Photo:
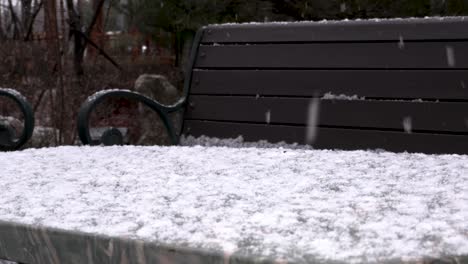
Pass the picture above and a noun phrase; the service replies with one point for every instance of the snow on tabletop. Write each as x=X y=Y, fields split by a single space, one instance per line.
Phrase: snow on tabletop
x=288 y=203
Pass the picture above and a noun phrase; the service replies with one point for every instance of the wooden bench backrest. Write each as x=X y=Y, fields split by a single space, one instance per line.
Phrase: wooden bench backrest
x=408 y=78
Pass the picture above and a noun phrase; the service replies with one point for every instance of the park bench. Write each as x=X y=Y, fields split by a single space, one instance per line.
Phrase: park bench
x=9 y=140
x=399 y=85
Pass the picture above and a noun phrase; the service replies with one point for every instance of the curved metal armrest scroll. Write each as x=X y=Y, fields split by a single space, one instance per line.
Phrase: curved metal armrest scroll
x=113 y=134
x=7 y=133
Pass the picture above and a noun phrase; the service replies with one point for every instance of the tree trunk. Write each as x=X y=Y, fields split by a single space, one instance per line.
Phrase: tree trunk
x=26 y=13
x=53 y=58
x=2 y=32
x=14 y=21
x=95 y=31
x=75 y=29
x=51 y=31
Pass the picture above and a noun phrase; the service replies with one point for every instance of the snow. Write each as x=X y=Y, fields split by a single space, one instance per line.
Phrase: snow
x=343 y=7
x=268 y=116
x=236 y=143
x=14 y=92
x=401 y=42
x=450 y=56
x=106 y=91
x=355 y=97
x=313 y=113
x=427 y=19
x=407 y=124
x=331 y=96
x=283 y=201
x=8 y=119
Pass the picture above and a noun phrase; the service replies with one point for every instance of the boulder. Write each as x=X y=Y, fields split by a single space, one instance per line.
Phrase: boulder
x=10 y=129
x=151 y=128
x=157 y=87
x=43 y=136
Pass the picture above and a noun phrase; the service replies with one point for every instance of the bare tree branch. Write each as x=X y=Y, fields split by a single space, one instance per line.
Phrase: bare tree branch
x=75 y=26
x=95 y=17
x=31 y=22
x=101 y=51
x=15 y=20
x=41 y=95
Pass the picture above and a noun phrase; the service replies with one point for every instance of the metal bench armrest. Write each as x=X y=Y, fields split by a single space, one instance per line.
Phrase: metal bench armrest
x=88 y=106
x=9 y=143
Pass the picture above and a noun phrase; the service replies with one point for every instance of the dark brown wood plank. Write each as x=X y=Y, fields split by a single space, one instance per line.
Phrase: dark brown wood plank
x=357 y=30
x=431 y=116
x=434 y=84
x=333 y=138
x=416 y=55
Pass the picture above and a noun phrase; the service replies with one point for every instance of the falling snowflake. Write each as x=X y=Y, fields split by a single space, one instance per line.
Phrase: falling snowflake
x=343 y=7
x=450 y=56
x=268 y=117
x=312 y=120
x=401 y=43
x=407 y=124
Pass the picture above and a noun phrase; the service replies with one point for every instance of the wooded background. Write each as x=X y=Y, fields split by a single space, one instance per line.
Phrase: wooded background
x=58 y=52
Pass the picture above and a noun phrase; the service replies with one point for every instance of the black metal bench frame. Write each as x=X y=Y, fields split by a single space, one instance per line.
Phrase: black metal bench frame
x=112 y=135
x=10 y=143
x=334 y=131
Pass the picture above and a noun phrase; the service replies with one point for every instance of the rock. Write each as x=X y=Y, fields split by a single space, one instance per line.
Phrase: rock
x=43 y=137
x=157 y=87
x=151 y=129
x=12 y=122
x=11 y=129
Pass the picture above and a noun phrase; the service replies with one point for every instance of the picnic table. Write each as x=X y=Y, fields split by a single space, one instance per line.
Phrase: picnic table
x=232 y=204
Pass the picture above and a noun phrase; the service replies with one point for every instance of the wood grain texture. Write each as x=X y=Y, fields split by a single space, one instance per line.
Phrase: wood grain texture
x=333 y=138
x=427 y=55
x=357 y=30
x=284 y=64
x=399 y=84
x=431 y=116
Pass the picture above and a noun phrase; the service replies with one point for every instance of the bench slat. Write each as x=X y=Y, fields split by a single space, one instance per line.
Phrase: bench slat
x=430 y=116
x=409 y=29
x=329 y=138
x=370 y=83
x=428 y=55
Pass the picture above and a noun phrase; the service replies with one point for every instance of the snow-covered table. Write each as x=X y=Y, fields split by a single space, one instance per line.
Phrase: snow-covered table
x=194 y=204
